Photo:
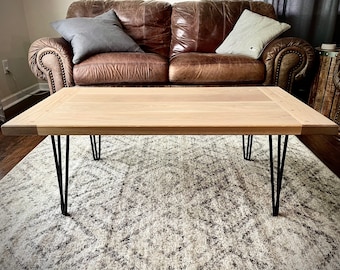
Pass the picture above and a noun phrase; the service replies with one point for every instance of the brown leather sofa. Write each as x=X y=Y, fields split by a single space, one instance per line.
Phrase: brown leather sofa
x=179 y=43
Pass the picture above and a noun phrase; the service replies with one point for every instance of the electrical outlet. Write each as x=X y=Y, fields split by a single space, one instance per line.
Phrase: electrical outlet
x=5 y=66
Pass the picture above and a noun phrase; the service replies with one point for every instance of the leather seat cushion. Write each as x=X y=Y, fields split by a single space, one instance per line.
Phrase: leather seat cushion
x=198 y=68
x=130 y=68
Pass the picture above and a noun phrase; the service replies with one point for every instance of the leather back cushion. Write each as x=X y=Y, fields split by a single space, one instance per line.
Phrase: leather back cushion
x=148 y=23
x=203 y=25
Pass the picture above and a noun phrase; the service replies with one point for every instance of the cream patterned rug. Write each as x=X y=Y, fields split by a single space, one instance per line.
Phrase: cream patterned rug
x=170 y=202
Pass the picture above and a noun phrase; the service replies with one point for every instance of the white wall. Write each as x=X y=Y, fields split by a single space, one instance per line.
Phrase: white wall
x=14 y=44
x=40 y=13
x=22 y=22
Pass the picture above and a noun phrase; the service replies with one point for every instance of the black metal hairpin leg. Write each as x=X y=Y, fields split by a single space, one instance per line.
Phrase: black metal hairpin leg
x=96 y=146
x=247 y=149
x=281 y=155
x=63 y=183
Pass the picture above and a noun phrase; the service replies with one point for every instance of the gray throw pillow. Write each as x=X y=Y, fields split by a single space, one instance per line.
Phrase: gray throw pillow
x=89 y=36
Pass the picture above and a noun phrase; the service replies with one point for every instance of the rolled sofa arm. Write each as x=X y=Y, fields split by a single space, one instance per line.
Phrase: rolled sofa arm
x=51 y=59
x=336 y=76
x=336 y=80
x=287 y=60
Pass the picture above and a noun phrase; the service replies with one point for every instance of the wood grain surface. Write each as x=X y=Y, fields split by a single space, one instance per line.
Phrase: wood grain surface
x=170 y=110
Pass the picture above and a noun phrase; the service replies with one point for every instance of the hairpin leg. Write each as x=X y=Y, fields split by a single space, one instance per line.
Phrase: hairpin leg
x=96 y=146
x=281 y=155
x=247 y=148
x=62 y=181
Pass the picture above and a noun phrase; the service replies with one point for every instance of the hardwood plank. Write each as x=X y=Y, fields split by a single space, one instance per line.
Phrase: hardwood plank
x=326 y=148
x=312 y=122
x=15 y=148
x=181 y=110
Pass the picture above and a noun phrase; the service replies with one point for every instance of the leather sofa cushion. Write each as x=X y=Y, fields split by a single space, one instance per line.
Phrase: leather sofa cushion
x=125 y=67
x=211 y=68
x=203 y=25
x=148 y=23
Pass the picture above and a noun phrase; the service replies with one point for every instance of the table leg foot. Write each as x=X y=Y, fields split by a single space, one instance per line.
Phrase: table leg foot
x=276 y=182
x=247 y=146
x=96 y=146
x=62 y=179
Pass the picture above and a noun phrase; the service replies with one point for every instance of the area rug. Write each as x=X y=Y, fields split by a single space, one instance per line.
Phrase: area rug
x=170 y=202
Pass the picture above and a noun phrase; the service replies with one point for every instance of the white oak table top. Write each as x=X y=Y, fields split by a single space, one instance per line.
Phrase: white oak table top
x=256 y=110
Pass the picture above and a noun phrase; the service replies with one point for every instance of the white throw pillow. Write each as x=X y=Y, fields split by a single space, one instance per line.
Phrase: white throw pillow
x=250 y=35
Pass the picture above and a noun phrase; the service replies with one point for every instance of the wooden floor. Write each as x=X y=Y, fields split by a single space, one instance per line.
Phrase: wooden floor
x=14 y=148
x=326 y=148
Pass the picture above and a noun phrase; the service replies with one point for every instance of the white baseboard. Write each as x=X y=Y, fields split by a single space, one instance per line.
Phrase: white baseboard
x=23 y=94
x=44 y=87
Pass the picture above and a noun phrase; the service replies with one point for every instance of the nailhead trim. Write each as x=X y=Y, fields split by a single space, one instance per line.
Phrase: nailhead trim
x=50 y=74
x=277 y=73
x=336 y=118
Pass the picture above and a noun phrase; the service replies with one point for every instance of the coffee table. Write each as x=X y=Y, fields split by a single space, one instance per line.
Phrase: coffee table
x=97 y=111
